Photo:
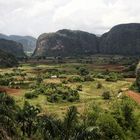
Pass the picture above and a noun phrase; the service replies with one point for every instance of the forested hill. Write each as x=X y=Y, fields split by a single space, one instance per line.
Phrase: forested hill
x=7 y=60
x=12 y=47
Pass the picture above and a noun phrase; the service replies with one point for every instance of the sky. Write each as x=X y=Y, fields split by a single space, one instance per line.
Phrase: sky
x=34 y=17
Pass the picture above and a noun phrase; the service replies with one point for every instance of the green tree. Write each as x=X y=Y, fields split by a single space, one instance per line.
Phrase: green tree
x=27 y=118
x=8 y=109
x=124 y=113
x=83 y=71
x=106 y=95
x=109 y=128
x=70 y=122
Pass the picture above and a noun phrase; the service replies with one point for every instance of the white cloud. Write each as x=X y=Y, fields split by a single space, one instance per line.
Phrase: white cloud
x=33 y=17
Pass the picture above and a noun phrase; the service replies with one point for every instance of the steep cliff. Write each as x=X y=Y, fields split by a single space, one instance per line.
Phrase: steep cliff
x=66 y=43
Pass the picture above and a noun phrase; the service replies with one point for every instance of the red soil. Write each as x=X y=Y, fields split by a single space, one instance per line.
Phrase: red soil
x=11 y=91
x=117 y=68
x=134 y=95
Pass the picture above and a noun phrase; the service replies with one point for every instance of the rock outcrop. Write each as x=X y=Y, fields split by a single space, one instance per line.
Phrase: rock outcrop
x=122 y=39
x=66 y=43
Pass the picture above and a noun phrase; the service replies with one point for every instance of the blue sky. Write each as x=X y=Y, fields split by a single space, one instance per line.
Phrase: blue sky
x=34 y=17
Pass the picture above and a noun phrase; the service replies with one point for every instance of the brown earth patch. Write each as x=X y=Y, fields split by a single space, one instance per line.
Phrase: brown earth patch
x=130 y=79
x=134 y=95
x=11 y=91
x=117 y=68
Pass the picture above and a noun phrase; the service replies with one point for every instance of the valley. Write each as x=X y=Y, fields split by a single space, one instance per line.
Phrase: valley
x=25 y=76
x=71 y=85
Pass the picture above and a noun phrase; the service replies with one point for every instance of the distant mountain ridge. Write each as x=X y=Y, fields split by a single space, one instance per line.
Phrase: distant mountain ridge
x=123 y=39
x=28 y=42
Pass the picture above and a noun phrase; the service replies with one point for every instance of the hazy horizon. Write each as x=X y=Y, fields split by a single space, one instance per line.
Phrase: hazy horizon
x=35 y=17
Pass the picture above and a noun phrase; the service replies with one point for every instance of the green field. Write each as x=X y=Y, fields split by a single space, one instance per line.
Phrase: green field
x=89 y=94
x=50 y=101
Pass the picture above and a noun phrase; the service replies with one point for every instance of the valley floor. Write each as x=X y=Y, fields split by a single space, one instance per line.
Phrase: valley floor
x=89 y=95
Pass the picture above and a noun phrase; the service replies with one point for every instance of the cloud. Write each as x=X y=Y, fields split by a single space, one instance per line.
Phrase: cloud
x=35 y=17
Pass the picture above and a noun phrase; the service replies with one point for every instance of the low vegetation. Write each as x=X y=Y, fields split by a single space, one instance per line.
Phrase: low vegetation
x=67 y=101
x=97 y=123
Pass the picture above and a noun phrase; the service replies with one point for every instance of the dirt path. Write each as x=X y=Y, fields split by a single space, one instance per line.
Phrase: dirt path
x=134 y=95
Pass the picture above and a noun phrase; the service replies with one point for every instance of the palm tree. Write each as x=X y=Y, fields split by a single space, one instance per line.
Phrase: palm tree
x=27 y=118
x=50 y=127
x=8 y=111
x=70 y=122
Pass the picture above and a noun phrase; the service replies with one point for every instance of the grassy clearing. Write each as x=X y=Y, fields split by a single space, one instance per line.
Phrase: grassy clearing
x=89 y=94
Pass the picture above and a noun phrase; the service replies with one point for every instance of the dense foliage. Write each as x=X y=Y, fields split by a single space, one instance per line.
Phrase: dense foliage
x=25 y=122
x=54 y=92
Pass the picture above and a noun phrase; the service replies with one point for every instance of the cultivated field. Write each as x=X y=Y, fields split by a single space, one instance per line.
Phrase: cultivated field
x=26 y=77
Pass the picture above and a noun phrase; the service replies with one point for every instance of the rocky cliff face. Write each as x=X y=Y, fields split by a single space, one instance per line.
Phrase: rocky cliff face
x=28 y=42
x=66 y=43
x=122 y=39
x=7 y=60
x=12 y=47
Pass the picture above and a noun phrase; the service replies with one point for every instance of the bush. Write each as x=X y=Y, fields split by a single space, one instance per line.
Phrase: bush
x=83 y=71
x=100 y=76
x=54 y=98
x=76 y=79
x=112 y=77
x=30 y=95
x=88 y=78
x=135 y=87
x=57 y=92
x=109 y=128
x=106 y=95
x=64 y=81
x=5 y=81
x=99 y=85
x=79 y=88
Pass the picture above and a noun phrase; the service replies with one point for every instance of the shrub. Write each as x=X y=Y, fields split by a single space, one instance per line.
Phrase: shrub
x=54 y=98
x=88 y=78
x=57 y=92
x=30 y=95
x=135 y=87
x=64 y=81
x=100 y=76
x=5 y=81
x=79 y=87
x=99 y=85
x=112 y=77
x=109 y=128
x=76 y=79
x=106 y=95
x=83 y=71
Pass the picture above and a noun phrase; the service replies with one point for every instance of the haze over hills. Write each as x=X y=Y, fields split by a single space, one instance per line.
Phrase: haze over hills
x=28 y=42
x=122 y=39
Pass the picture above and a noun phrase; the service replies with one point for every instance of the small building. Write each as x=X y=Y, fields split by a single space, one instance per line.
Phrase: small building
x=54 y=76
